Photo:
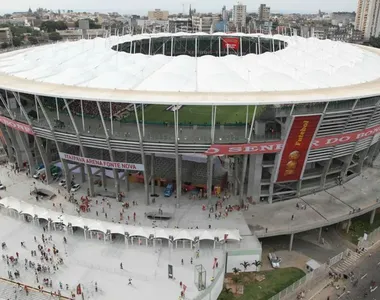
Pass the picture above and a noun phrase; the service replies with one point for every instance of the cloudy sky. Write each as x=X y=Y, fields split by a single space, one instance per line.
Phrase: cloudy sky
x=141 y=7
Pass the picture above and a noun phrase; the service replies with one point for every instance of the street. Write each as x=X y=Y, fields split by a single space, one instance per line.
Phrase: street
x=366 y=271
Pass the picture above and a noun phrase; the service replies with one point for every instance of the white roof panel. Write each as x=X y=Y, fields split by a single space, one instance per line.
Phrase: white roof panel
x=86 y=68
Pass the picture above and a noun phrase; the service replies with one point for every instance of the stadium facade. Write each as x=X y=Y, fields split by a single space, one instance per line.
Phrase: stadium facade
x=293 y=115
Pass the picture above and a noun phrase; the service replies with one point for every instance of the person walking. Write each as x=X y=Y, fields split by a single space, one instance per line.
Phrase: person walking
x=121 y=266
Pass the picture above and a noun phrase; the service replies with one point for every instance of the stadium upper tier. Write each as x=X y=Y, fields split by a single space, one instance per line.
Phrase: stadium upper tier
x=280 y=69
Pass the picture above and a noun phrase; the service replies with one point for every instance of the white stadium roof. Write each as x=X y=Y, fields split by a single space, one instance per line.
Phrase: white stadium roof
x=306 y=70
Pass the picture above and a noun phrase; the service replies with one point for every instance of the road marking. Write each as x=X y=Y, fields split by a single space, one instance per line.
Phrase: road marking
x=342 y=295
x=364 y=276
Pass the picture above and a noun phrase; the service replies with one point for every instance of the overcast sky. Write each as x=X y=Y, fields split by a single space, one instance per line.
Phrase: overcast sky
x=141 y=7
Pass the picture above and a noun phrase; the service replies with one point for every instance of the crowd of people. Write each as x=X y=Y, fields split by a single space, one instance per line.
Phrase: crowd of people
x=44 y=261
x=90 y=108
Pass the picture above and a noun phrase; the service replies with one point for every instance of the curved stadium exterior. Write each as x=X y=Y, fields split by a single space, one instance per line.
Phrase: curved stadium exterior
x=294 y=115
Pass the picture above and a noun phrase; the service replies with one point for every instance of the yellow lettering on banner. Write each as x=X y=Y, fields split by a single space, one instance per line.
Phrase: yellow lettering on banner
x=301 y=135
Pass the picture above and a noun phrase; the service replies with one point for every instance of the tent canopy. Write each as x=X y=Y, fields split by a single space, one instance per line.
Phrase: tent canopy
x=134 y=231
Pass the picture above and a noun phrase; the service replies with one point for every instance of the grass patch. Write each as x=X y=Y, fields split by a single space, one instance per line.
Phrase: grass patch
x=197 y=115
x=275 y=281
x=360 y=225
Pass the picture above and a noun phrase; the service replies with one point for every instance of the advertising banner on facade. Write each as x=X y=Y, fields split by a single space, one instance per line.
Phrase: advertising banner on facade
x=273 y=147
x=297 y=145
x=102 y=163
x=231 y=43
x=17 y=125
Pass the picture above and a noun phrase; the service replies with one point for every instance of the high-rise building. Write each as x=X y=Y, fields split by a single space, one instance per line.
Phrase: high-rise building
x=239 y=15
x=224 y=14
x=368 y=18
x=158 y=14
x=264 y=12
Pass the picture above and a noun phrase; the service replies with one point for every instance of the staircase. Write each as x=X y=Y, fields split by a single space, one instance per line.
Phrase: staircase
x=347 y=263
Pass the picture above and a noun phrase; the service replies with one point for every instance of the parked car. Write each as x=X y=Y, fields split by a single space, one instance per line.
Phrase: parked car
x=38 y=173
x=274 y=260
x=169 y=190
x=2 y=187
x=62 y=183
x=75 y=187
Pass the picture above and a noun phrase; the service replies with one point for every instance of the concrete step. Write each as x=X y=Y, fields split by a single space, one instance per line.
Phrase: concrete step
x=347 y=263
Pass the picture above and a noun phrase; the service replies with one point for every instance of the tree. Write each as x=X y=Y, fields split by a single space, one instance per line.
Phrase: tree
x=55 y=36
x=4 y=45
x=236 y=270
x=33 y=40
x=257 y=264
x=16 y=41
x=245 y=265
x=374 y=42
x=52 y=26
x=92 y=24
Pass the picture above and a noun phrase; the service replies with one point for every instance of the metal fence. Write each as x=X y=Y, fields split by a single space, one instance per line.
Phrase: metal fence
x=213 y=291
x=372 y=238
x=304 y=283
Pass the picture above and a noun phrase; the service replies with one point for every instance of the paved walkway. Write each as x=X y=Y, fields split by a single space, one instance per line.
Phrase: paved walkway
x=322 y=208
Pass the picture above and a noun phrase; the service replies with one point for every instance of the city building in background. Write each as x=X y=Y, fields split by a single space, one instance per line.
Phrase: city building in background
x=264 y=12
x=158 y=14
x=5 y=35
x=239 y=15
x=368 y=18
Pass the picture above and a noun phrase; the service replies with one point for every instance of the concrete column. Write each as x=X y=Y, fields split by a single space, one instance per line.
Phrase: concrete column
x=242 y=178
x=320 y=234
x=8 y=143
x=104 y=178
x=348 y=225
x=210 y=165
x=291 y=242
x=372 y=218
x=152 y=186
x=126 y=176
x=82 y=173
x=254 y=176
x=25 y=143
x=48 y=150
x=236 y=172
x=15 y=146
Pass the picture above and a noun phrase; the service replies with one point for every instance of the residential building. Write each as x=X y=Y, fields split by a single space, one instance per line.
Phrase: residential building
x=205 y=23
x=264 y=13
x=180 y=25
x=78 y=34
x=5 y=35
x=368 y=18
x=239 y=15
x=158 y=14
x=224 y=14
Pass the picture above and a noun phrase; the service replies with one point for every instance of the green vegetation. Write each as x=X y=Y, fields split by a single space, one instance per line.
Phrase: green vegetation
x=52 y=26
x=196 y=115
x=92 y=24
x=275 y=281
x=360 y=225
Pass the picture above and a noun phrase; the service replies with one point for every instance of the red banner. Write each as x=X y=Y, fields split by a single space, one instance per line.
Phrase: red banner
x=17 y=125
x=297 y=145
x=231 y=43
x=274 y=147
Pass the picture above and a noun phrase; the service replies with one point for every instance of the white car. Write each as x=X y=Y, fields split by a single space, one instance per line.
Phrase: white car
x=62 y=183
x=75 y=187
x=2 y=187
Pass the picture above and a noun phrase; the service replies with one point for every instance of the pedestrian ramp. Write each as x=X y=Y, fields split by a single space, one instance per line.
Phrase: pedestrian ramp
x=10 y=291
x=347 y=263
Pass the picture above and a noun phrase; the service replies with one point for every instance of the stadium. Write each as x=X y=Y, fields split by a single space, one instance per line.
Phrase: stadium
x=268 y=117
